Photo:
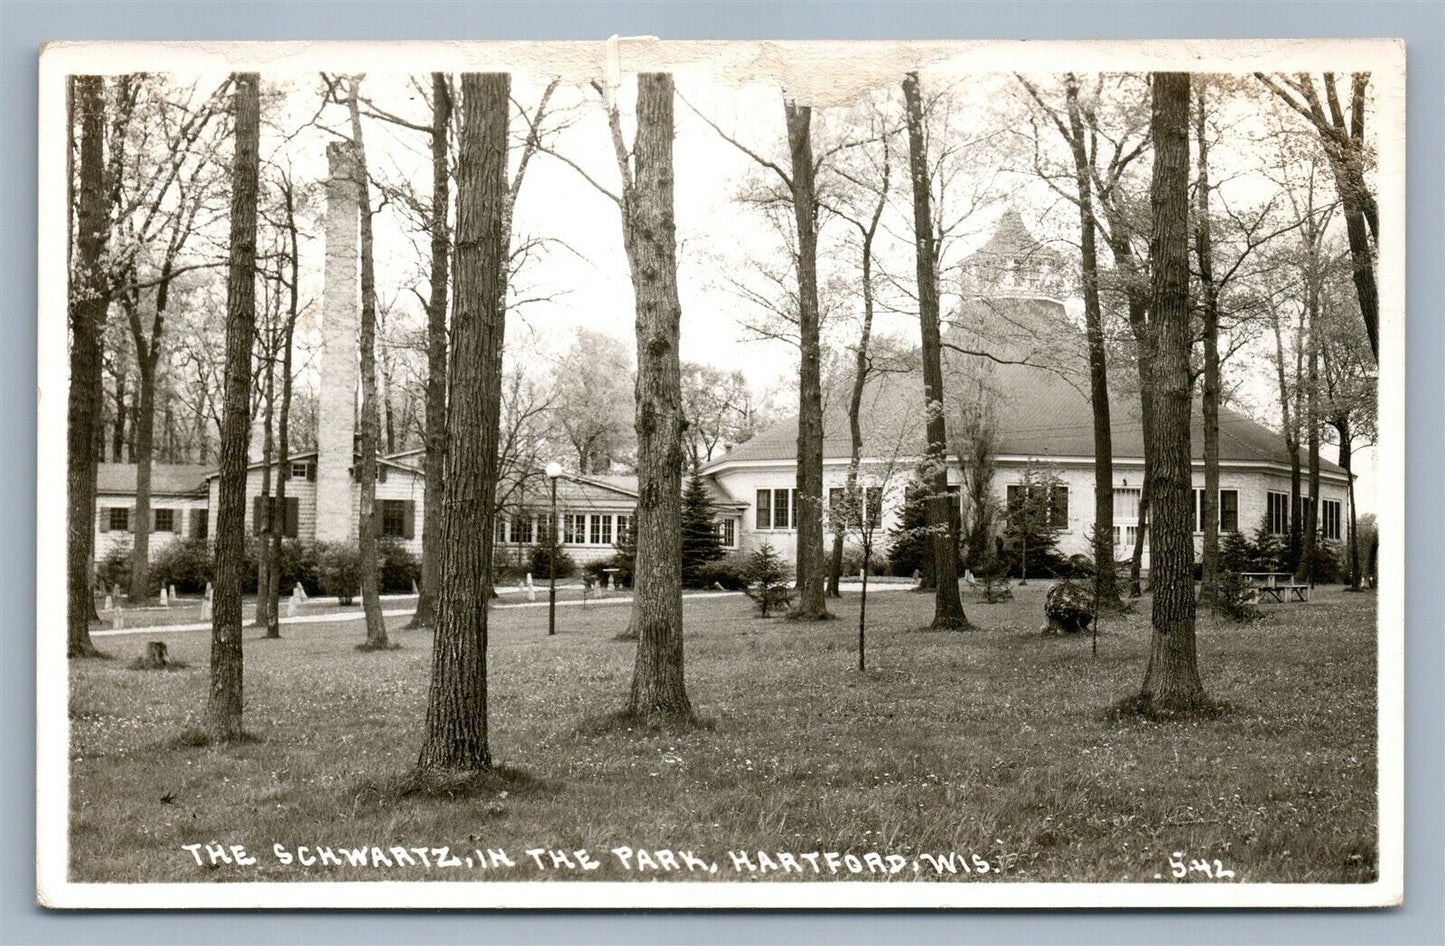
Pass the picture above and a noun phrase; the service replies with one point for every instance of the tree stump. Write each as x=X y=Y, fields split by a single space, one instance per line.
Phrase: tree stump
x=155 y=657
x=1068 y=608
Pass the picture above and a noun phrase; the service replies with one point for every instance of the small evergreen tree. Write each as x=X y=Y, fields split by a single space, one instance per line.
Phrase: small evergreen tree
x=625 y=558
x=1236 y=554
x=700 y=543
x=1269 y=552
x=907 y=538
x=1029 y=528
x=768 y=580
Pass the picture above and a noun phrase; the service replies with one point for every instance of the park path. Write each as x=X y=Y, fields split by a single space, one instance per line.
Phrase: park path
x=357 y=615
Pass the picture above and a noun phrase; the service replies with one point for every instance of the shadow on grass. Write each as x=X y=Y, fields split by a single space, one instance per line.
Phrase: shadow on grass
x=367 y=647
x=625 y=721
x=1142 y=707
x=195 y=737
x=145 y=663
x=453 y=785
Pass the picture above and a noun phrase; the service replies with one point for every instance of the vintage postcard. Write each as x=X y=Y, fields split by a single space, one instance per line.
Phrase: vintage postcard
x=643 y=473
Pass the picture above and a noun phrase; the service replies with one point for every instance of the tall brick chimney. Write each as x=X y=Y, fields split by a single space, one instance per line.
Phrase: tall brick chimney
x=340 y=357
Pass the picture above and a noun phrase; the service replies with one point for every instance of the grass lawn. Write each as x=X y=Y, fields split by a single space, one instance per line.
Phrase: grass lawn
x=993 y=743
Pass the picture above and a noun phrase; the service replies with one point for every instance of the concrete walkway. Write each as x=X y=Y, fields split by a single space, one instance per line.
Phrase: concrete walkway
x=358 y=614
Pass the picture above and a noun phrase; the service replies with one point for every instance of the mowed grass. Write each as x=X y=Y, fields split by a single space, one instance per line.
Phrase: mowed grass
x=995 y=742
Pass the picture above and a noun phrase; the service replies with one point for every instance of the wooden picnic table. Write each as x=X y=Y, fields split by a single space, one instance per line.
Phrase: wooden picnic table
x=1283 y=594
x=1267 y=579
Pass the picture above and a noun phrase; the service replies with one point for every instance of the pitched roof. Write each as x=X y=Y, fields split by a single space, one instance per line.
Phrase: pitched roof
x=1037 y=414
x=169 y=479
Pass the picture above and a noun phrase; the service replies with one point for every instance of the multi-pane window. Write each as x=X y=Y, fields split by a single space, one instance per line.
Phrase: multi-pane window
x=574 y=529
x=499 y=534
x=1276 y=512
x=165 y=520
x=1126 y=504
x=393 y=517
x=777 y=509
x=1125 y=537
x=544 y=528
x=302 y=470
x=727 y=530
x=119 y=519
x=1330 y=519
x=624 y=527
x=1229 y=510
x=522 y=530
x=1058 y=499
x=601 y=530
x=838 y=502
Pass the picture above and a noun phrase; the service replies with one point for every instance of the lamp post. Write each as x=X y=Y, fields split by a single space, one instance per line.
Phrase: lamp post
x=554 y=470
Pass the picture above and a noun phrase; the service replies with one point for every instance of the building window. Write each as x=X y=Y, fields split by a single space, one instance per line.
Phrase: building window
x=544 y=529
x=165 y=520
x=1276 y=512
x=1126 y=505
x=1229 y=510
x=1058 y=497
x=727 y=531
x=200 y=524
x=601 y=533
x=393 y=518
x=302 y=470
x=574 y=529
x=1330 y=519
x=522 y=530
x=499 y=534
x=624 y=528
x=119 y=519
x=777 y=509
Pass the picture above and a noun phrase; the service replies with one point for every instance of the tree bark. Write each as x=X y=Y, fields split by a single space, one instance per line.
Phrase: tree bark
x=283 y=419
x=947 y=605
x=1342 y=429
x=434 y=464
x=1171 y=681
x=1305 y=571
x=455 y=738
x=88 y=301
x=223 y=709
x=370 y=421
x=1106 y=582
x=658 y=692
x=1209 y=401
x=266 y=564
x=812 y=602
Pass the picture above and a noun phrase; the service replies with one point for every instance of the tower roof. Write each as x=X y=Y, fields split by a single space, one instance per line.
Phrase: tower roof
x=1011 y=239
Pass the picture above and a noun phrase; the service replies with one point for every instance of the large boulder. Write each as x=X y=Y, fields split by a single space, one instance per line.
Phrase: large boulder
x=1069 y=608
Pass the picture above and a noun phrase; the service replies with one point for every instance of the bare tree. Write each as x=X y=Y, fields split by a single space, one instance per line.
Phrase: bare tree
x=1171 y=680
x=223 y=709
x=455 y=739
x=948 y=606
x=1344 y=144
x=88 y=301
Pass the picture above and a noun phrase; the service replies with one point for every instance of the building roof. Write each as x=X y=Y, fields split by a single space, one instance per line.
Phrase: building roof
x=1037 y=412
x=397 y=461
x=167 y=479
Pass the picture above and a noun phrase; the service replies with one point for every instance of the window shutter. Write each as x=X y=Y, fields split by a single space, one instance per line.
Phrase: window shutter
x=409 y=510
x=293 y=517
x=104 y=519
x=311 y=472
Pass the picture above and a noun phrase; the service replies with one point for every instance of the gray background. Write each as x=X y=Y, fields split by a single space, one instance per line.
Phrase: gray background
x=24 y=25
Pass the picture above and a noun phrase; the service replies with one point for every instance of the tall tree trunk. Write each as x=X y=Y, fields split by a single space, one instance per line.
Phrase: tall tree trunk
x=87 y=303
x=1305 y=571
x=223 y=708
x=1141 y=533
x=142 y=454
x=370 y=421
x=117 y=439
x=455 y=736
x=658 y=691
x=1209 y=401
x=811 y=566
x=1106 y=582
x=434 y=464
x=283 y=427
x=1342 y=429
x=1171 y=681
x=947 y=605
x=266 y=565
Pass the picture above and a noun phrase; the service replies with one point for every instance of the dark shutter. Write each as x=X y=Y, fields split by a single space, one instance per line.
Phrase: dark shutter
x=293 y=517
x=311 y=471
x=409 y=527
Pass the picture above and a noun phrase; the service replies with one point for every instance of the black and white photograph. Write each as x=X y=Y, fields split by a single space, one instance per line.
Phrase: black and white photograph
x=647 y=474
